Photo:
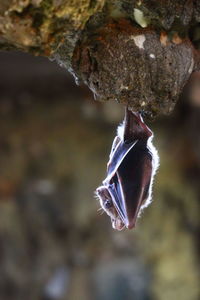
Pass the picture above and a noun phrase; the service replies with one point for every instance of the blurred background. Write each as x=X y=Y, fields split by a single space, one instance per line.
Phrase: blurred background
x=54 y=243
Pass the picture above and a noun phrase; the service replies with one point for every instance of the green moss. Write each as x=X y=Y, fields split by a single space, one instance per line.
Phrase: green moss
x=46 y=5
x=179 y=28
x=40 y=14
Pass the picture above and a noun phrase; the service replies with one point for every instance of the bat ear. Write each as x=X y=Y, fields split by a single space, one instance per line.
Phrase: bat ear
x=134 y=127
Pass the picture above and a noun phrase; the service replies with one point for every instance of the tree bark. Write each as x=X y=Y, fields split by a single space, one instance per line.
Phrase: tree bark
x=140 y=53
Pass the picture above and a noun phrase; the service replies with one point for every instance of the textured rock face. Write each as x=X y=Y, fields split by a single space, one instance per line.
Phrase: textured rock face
x=138 y=67
x=39 y=26
x=136 y=52
x=53 y=150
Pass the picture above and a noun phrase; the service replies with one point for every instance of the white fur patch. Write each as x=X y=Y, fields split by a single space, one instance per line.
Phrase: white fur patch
x=155 y=165
x=120 y=131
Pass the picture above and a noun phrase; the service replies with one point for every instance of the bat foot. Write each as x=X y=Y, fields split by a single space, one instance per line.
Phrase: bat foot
x=131 y=225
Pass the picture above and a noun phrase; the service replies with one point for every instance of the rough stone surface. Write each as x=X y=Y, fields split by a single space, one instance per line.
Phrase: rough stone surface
x=40 y=26
x=137 y=52
x=138 y=67
x=165 y=13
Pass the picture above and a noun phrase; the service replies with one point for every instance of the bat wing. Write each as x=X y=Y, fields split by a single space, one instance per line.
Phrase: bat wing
x=132 y=130
x=130 y=168
x=118 y=155
x=129 y=185
x=134 y=127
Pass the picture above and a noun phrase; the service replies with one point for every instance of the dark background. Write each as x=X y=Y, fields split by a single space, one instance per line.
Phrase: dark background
x=54 y=243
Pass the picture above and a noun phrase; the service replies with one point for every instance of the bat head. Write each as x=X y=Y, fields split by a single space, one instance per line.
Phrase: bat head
x=108 y=206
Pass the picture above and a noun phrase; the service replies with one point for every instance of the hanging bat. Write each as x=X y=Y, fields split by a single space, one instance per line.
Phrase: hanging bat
x=132 y=165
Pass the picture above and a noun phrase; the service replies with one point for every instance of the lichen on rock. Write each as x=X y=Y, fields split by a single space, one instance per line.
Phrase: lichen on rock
x=39 y=26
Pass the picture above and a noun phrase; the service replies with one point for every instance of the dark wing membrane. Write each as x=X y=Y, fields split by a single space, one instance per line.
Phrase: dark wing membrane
x=117 y=198
x=130 y=185
x=117 y=157
x=134 y=127
x=134 y=130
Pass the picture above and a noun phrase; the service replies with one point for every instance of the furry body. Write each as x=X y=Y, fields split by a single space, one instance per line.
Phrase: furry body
x=132 y=165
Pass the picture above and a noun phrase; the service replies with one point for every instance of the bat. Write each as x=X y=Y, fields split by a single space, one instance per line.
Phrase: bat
x=131 y=168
